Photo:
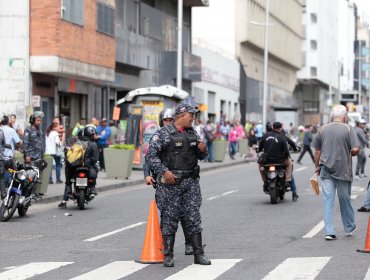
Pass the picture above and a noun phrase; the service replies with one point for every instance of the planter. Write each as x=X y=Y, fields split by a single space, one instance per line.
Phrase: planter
x=118 y=162
x=243 y=146
x=219 y=150
x=45 y=174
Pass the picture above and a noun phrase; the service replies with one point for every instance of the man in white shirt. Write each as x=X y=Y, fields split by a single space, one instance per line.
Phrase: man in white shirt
x=11 y=138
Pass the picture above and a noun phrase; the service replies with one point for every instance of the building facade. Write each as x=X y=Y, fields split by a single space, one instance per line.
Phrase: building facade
x=284 y=59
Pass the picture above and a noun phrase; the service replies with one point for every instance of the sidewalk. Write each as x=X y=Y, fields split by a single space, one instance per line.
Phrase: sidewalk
x=55 y=191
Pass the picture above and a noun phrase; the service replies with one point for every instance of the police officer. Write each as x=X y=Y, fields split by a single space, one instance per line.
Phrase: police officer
x=91 y=157
x=2 y=160
x=166 y=117
x=173 y=155
x=34 y=140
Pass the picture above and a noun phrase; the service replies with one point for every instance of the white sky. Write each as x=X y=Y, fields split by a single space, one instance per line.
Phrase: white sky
x=363 y=9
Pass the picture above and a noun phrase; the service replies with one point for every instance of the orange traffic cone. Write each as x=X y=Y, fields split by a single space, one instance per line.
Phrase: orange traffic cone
x=153 y=242
x=367 y=241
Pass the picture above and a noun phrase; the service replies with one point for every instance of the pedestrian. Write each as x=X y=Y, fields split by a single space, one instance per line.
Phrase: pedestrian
x=361 y=157
x=335 y=145
x=78 y=127
x=13 y=124
x=53 y=145
x=199 y=128
x=209 y=137
x=252 y=142
x=103 y=133
x=307 y=139
x=12 y=139
x=259 y=131
x=34 y=141
x=173 y=155
x=2 y=162
x=113 y=134
x=233 y=140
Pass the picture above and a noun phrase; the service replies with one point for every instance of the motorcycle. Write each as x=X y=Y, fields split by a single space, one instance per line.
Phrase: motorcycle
x=24 y=178
x=276 y=181
x=82 y=187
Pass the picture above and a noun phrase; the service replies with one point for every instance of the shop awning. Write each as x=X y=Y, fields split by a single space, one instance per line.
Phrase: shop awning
x=166 y=90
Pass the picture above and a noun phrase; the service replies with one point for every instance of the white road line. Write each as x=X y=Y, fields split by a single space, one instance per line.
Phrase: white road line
x=112 y=271
x=205 y=272
x=300 y=169
x=31 y=270
x=354 y=196
x=230 y=192
x=298 y=268
x=357 y=189
x=315 y=230
x=214 y=197
x=367 y=276
x=224 y=194
x=114 y=232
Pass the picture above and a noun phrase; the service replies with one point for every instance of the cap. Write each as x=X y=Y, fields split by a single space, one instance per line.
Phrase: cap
x=363 y=121
x=182 y=108
x=276 y=125
x=104 y=120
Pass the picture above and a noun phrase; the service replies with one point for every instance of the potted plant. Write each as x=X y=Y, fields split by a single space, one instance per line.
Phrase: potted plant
x=219 y=149
x=118 y=160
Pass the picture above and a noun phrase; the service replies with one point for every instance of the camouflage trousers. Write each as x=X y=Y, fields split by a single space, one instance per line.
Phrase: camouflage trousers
x=180 y=202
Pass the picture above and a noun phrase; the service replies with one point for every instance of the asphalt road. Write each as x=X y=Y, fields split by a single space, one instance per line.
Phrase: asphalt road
x=246 y=236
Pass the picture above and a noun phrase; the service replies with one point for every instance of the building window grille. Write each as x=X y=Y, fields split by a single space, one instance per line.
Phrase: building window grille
x=313 y=18
x=105 y=20
x=313 y=71
x=313 y=44
x=72 y=10
x=311 y=106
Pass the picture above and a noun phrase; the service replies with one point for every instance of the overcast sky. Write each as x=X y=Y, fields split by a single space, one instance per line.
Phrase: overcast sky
x=364 y=9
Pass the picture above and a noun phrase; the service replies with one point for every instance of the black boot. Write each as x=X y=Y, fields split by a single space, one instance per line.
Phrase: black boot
x=199 y=257
x=168 y=243
x=188 y=247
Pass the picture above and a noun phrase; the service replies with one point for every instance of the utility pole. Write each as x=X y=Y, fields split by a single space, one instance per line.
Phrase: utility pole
x=179 y=44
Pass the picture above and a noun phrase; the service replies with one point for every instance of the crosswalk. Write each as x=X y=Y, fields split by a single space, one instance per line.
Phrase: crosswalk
x=289 y=269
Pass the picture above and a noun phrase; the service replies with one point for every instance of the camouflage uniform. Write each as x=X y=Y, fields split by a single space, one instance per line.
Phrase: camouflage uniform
x=185 y=195
x=33 y=143
x=2 y=148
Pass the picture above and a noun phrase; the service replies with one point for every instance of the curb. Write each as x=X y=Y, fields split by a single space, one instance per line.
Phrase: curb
x=54 y=198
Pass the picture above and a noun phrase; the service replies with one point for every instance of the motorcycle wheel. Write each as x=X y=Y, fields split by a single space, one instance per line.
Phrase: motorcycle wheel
x=22 y=211
x=7 y=211
x=81 y=199
x=281 y=194
x=273 y=193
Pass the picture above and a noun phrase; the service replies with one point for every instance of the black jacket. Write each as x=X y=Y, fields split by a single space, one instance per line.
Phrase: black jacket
x=275 y=145
x=91 y=153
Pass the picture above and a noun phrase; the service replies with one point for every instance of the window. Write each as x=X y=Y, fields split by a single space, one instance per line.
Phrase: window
x=72 y=10
x=311 y=106
x=313 y=44
x=313 y=71
x=313 y=18
x=105 y=20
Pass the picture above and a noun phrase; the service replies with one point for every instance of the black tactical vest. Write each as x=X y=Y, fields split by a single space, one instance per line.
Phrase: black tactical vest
x=180 y=153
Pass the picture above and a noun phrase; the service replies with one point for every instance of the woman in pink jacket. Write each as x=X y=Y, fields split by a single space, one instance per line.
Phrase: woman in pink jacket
x=233 y=140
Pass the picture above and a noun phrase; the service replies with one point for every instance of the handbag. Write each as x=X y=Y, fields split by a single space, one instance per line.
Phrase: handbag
x=59 y=151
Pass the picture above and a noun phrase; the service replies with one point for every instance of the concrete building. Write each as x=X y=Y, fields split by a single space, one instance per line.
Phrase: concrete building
x=318 y=79
x=217 y=94
x=285 y=58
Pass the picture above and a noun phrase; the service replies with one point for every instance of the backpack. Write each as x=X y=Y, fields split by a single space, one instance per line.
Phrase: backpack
x=209 y=136
x=76 y=154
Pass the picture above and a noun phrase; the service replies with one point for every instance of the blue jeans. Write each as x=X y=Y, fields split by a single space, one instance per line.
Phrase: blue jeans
x=343 y=188
x=367 y=197
x=293 y=186
x=232 y=149
x=58 y=167
x=210 y=150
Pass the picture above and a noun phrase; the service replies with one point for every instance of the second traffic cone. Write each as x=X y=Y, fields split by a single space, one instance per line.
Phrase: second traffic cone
x=367 y=241
x=153 y=242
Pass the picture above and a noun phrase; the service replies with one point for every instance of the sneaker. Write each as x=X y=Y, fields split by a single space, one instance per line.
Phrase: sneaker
x=357 y=177
x=350 y=233
x=363 y=176
x=51 y=182
x=295 y=196
x=363 y=209
x=330 y=237
x=299 y=162
x=62 y=205
x=59 y=181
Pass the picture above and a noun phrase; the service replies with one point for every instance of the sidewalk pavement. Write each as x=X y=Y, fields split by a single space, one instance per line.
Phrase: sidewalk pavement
x=55 y=191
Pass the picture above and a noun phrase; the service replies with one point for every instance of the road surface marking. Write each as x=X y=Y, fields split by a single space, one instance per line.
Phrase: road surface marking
x=224 y=194
x=367 y=277
x=230 y=192
x=357 y=189
x=205 y=272
x=315 y=230
x=298 y=268
x=31 y=270
x=112 y=271
x=213 y=197
x=354 y=196
x=301 y=168
x=114 y=232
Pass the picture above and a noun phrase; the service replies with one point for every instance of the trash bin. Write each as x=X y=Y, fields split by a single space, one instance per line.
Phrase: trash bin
x=45 y=174
x=243 y=146
x=219 y=150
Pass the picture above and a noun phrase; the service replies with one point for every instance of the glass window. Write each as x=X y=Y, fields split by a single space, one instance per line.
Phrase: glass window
x=313 y=18
x=105 y=20
x=313 y=44
x=72 y=10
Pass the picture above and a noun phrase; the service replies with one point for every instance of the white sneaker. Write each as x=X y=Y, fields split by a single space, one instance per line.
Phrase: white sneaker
x=363 y=176
x=357 y=177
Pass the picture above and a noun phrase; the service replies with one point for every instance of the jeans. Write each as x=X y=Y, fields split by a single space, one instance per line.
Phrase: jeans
x=210 y=150
x=58 y=167
x=361 y=162
x=367 y=197
x=293 y=186
x=343 y=188
x=232 y=149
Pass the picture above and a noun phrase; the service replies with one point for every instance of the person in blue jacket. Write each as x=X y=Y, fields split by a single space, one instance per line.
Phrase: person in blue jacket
x=103 y=133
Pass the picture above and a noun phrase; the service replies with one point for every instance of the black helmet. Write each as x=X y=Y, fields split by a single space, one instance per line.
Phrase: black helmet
x=89 y=131
x=36 y=114
x=268 y=126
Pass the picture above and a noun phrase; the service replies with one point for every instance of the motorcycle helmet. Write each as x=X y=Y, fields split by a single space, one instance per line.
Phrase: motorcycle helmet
x=268 y=126
x=166 y=114
x=89 y=131
x=36 y=114
x=10 y=164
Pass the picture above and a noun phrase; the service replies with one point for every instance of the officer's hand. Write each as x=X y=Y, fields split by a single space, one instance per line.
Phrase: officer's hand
x=149 y=180
x=202 y=146
x=28 y=159
x=170 y=178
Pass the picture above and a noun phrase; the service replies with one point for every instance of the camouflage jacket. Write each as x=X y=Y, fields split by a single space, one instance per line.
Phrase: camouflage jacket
x=2 y=144
x=33 y=143
x=158 y=143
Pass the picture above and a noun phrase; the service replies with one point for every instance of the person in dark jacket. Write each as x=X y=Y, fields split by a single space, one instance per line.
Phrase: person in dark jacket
x=91 y=158
x=307 y=139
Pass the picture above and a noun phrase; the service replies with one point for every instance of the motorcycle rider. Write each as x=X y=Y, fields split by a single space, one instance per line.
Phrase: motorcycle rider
x=274 y=145
x=166 y=117
x=91 y=158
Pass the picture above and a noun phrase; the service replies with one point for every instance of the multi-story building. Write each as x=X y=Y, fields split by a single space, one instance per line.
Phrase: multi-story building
x=284 y=59
x=318 y=79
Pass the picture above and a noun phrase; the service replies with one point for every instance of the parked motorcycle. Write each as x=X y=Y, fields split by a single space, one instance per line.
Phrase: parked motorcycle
x=276 y=181
x=82 y=187
x=24 y=177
